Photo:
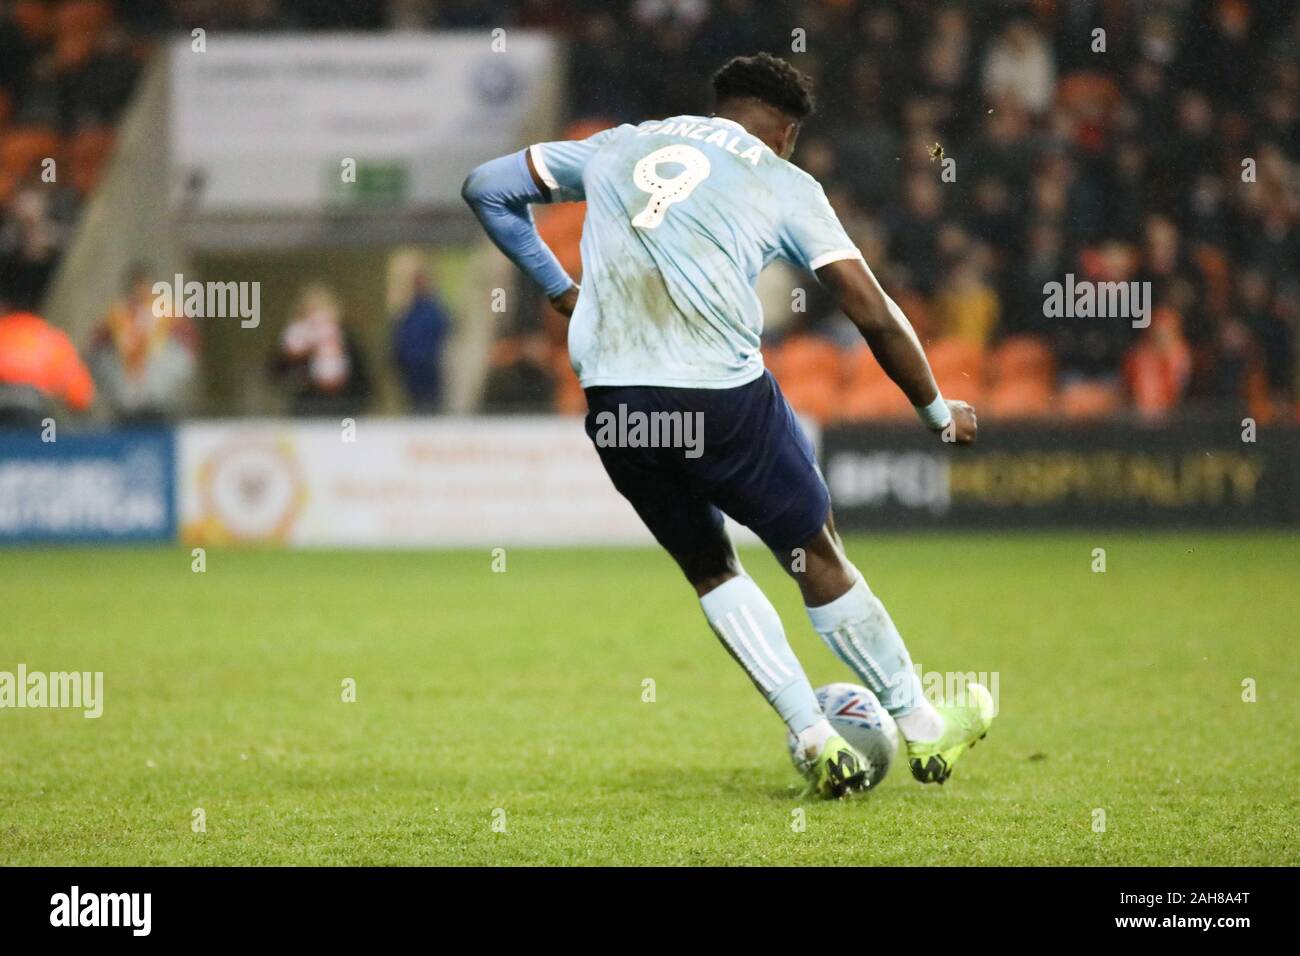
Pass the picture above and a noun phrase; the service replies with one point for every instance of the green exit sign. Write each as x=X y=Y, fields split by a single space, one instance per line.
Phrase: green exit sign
x=371 y=183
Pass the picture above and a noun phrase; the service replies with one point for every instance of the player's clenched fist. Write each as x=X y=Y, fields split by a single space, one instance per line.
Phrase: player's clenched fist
x=963 y=426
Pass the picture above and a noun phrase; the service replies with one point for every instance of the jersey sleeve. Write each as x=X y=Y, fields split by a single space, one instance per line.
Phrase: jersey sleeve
x=560 y=164
x=811 y=234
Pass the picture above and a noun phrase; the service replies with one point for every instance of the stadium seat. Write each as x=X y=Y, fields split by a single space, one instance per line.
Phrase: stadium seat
x=22 y=149
x=1090 y=400
x=868 y=393
x=1021 y=374
x=955 y=356
x=1022 y=356
x=958 y=366
x=809 y=374
x=1019 y=398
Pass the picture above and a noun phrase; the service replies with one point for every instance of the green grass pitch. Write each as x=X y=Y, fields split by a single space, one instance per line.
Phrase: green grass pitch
x=515 y=698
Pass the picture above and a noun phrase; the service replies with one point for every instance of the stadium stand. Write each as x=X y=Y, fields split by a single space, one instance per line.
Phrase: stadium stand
x=1169 y=157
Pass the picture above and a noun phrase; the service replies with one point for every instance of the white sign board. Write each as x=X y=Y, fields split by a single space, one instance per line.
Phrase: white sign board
x=401 y=483
x=269 y=123
x=435 y=482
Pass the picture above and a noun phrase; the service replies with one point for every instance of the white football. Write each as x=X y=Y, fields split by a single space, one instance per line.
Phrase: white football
x=863 y=722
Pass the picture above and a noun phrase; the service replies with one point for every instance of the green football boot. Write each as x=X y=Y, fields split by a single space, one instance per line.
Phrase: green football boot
x=837 y=771
x=964 y=725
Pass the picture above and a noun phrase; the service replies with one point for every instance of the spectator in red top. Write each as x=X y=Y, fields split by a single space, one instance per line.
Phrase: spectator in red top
x=1158 y=367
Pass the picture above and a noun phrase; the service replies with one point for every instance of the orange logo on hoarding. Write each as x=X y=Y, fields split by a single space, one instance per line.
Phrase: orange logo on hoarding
x=250 y=491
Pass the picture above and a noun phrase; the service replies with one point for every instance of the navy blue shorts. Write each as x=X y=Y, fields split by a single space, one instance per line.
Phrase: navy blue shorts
x=754 y=463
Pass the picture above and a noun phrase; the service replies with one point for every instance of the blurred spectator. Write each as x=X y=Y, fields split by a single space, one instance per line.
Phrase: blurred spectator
x=95 y=70
x=1158 y=368
x=1090 y=350
x=34 y=225
x=1237 y=371
x=39 y=369
x=915 y=228
x=599 y=50
x=1062 y=153
x=1019 y=68
x=1043 y=261
x=418 y=339
x=966 y=307
x=319 y=363
x=144 y=358
x=1276 y=337
x=520 y=379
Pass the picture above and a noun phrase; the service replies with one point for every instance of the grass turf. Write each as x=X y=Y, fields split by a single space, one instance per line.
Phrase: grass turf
x=516 y=698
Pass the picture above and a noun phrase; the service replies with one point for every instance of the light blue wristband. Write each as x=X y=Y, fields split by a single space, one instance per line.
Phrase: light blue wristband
x=937 y=415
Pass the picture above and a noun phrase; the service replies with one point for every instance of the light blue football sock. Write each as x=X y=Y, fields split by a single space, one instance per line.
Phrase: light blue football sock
x=749 y=627
x=858 y=629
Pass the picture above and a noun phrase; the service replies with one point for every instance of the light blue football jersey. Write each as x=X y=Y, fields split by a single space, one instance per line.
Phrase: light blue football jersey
x=682 y=216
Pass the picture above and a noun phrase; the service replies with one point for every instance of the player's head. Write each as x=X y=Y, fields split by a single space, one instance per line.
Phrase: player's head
x=767 y=95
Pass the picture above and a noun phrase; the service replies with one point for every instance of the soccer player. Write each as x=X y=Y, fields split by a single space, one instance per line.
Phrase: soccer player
x=682 y=215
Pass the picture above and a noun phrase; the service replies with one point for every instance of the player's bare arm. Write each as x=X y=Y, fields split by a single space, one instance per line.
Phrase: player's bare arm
x=892 y=340
x=566 y=301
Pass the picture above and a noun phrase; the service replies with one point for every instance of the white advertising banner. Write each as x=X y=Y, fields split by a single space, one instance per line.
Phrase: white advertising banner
x=427 y=483
x=271 y=124
x=400 y=483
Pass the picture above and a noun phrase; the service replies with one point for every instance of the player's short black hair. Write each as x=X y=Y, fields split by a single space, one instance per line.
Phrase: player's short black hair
x=769 y=79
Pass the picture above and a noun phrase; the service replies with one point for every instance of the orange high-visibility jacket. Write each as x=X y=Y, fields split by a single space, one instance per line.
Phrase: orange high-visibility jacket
x=34 y=353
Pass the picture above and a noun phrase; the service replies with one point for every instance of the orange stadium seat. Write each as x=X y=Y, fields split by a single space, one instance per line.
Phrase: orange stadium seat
x=1091 y=400
x=868 y=393
x=1019 y=398
x=958 y=366
x=22 y=149
x=1020 y=356
x=808 y=369
x=1021 y=371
